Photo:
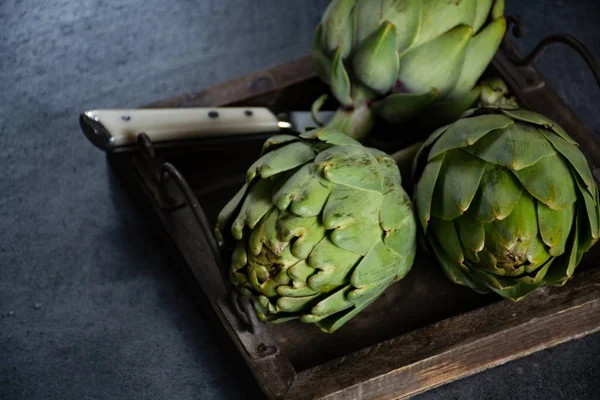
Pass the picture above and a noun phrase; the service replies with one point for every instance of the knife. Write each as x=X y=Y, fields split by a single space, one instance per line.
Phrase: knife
x=109 y=129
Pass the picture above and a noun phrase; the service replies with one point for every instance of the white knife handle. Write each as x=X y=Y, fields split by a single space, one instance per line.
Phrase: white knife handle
x=118 y=127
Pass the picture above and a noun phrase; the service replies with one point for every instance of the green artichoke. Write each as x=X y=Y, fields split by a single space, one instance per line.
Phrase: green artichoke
x=321 y=228
x=402 y=58
x=506 y=200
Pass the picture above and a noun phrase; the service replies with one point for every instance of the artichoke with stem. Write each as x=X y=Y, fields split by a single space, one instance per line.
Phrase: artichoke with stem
x=320 y=229
x=401 y=59
x=506 y=199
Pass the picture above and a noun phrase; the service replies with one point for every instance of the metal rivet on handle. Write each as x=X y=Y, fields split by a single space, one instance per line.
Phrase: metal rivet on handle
x=213 y=114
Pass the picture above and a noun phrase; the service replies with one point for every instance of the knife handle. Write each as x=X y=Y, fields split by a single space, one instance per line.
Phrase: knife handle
x=118 y=127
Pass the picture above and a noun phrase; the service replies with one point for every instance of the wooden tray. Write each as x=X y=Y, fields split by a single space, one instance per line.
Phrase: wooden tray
x=423 y=332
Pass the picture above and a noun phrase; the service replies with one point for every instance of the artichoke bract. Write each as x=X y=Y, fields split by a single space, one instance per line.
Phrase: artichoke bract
x=320 y=229
x=506 y=200
x=401 y=58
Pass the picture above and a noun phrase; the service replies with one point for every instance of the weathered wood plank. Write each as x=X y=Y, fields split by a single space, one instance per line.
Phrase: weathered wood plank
x=459 y=346
x=242 y=89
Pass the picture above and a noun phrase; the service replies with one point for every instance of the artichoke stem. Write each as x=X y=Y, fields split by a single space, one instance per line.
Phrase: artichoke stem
x=356 y=122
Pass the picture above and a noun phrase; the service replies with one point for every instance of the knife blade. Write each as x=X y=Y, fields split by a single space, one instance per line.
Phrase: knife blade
x=109 y=129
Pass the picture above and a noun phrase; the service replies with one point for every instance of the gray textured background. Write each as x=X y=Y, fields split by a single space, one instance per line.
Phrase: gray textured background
x=88 y=306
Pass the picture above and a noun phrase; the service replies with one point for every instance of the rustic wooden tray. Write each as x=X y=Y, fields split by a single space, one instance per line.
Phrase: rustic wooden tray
x=423 y=332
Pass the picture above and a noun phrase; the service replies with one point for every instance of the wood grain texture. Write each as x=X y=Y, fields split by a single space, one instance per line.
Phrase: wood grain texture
x=459 y=346
x=242 y=89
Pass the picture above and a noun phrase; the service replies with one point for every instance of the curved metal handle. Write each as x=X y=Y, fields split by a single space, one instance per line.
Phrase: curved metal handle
x=518 y=30
x=168 y=171
x=241 y=305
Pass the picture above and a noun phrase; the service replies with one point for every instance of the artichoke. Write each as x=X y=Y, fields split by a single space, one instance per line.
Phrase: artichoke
x=320 y=229
x=506 y=200
x=404 y=58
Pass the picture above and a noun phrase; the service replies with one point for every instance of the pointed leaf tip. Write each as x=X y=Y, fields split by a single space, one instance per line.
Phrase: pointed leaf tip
x=340 y=81
x=376 y=60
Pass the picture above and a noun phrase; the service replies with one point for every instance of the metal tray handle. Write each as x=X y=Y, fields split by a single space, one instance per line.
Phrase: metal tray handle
x=518 y=30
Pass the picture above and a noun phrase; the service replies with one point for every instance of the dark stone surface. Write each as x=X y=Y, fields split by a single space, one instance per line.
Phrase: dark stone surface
x=88 y=305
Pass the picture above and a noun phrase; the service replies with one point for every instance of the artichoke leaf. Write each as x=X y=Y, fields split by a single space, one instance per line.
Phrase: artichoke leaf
x=482 y=13
x=420 y=68
x=321 y=60
x=299 y=273
x=466 y=132
x=336 y=321
x=497 y=9
x=472 y=236
x=521 y=225
x=537 y=254
x=540 y=120
x=517 y=147
x=438 y=17
x=330 y=136
x=588 y=213
x=518 y=291
x=338 y=26
x=304 y=193
x=280 y=160
x=360 y=295
x=295 y=291
x=350 y=166
x=398 y=223
x=403 y=14
x=269 y=286
x=368 y=14
x=434 y=137
x=420 y=158
x=265 y=234
x=277 y=141
x=424 y=190
x=340 y=81
x=379 y=264
x=239 y=258
x=354 y=216
x=457 y=184
x=550 y=181
x=256 y=204
x=538 y=277
x=453 y=271
x=304 y=234
x=498 y=193
x=572 y=153
x=359 y=236
x=297 y=304
x=333 y=303
x=555 y=226
x=494 y=282
x=447 y=237
x=490 y=264
x=375 y=62
x=227 y=212
x=334 y=265
x=264 y=309
x=563 y=267
x=480 y=51
x=390 y=170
